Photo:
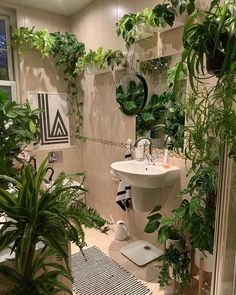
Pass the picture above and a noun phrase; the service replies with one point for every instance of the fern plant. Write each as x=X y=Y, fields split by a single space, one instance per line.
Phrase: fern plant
x=52 y=217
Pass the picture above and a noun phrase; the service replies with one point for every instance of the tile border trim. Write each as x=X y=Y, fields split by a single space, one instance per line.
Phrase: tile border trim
x=156 y=151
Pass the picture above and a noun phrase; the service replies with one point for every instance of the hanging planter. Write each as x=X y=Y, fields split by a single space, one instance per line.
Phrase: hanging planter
x=215 y=58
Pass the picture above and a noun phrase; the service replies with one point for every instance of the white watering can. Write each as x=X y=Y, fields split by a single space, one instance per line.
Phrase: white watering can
x=121 y=232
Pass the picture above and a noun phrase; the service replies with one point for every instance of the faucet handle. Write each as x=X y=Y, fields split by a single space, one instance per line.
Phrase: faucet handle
x=151 y=159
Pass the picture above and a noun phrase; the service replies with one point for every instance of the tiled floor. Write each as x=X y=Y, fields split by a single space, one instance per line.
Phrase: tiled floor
x=111 y=247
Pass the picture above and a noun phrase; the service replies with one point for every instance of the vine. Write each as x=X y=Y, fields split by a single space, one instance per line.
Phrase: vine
x=66 y=50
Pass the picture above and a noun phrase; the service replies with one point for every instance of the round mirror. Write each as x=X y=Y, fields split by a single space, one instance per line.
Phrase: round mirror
x=131 y=94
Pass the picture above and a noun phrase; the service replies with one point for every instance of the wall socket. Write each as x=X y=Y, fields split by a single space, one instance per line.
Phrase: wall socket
x=55 y=156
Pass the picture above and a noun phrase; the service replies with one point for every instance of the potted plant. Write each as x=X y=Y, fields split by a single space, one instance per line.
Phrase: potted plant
x=167 y=229
x=19 y=127
x=114 y=59
x=211 y=35
x=52 y=217
x=134 y=27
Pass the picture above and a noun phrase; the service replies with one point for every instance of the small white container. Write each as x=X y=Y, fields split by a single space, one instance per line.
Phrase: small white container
x=175 y=243
x=120 y=231
x=138 y=151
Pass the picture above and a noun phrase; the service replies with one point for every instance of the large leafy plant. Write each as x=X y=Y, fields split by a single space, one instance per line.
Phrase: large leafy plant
x=51 y=216
x=18 y=127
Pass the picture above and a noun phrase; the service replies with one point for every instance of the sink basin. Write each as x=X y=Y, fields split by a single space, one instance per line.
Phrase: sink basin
x=151 y=185
x=140 y=174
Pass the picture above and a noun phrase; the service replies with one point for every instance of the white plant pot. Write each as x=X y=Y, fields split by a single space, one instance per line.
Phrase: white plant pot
x=175 y=243
x=208 y=260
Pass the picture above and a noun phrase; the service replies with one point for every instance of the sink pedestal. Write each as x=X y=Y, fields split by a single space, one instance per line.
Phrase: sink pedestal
x=145 y=199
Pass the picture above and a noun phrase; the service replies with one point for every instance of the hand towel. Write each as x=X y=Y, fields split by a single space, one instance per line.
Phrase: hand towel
x=123 y=196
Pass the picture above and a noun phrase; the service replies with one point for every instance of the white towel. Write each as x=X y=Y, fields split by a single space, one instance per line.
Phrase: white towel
x=123 y=196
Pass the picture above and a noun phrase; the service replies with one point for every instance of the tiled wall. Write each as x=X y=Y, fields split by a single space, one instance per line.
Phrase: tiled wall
x=37 y=74
x=95 y=25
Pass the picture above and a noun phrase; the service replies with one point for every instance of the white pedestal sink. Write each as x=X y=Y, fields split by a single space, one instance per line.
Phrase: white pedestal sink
x=148 y=182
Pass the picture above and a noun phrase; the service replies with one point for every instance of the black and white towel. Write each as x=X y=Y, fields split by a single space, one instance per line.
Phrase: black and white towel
x=123 y=196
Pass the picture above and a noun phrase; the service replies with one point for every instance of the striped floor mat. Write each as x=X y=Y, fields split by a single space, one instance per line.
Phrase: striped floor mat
x=100 y=275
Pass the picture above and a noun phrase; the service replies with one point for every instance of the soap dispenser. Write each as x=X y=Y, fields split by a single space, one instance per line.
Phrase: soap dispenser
x=166 y=150
x=139 y=151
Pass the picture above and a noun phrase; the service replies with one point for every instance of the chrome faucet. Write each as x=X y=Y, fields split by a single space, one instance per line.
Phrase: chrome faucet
x=144 y=138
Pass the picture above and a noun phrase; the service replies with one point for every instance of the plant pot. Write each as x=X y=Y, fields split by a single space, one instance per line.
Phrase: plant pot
x=143 y=32
x=215 y=60
x=208 y=260
x=94 y=70
x=175 y=243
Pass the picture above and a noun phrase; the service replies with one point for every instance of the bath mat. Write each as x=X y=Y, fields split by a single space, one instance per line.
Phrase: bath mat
x=100 y=275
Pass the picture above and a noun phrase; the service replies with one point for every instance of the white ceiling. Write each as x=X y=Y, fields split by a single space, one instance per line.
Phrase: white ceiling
x=63 y=7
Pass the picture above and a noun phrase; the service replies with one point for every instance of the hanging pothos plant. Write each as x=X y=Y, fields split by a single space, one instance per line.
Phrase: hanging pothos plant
x=66 y=50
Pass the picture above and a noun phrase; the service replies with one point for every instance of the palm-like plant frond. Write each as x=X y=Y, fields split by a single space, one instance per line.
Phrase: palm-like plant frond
x=53 y=217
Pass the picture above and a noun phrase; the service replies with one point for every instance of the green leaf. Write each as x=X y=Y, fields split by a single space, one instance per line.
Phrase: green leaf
x=164 y=234
x=190 y=7
x=32 y=126
x=152 y=226
x=157 y=208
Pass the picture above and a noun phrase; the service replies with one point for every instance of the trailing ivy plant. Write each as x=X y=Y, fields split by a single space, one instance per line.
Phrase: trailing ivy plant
x=178 y=263
x=66 y=50
x=131 y=26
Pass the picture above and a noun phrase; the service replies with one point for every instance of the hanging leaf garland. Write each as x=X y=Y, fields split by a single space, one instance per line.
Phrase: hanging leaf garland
x=66 y=50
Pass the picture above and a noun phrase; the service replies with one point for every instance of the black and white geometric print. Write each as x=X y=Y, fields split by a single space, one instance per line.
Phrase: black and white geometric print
x=54 y=124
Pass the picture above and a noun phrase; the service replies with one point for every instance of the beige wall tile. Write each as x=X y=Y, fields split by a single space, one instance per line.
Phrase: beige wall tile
x=94 y=25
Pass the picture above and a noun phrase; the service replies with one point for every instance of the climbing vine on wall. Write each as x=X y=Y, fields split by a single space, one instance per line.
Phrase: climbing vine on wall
x=66 y=50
